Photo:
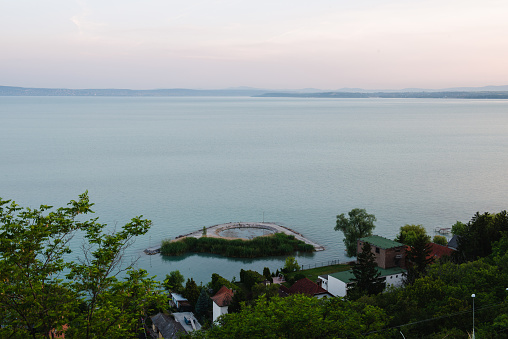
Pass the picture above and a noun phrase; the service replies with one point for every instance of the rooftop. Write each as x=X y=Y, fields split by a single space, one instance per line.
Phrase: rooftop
x=347 y=276
x=223 y=296
x=381 y=242
x=306 y=286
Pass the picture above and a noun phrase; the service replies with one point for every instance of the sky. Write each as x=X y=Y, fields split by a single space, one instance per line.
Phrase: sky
x=277 y=44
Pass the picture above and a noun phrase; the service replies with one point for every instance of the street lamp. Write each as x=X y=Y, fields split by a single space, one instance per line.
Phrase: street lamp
x=472 y=296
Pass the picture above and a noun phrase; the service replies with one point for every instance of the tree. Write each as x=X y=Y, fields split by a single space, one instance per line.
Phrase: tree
x=174 y=281
x=203 y=303
x=191 y=291
x=367 y=278
x=440 y=240
x=409 y=234
x=291 y=265
x=359 y=224
x=299 y=316
x=480 y=234
x=267 y=274
x=418 y=259
x=34 y=296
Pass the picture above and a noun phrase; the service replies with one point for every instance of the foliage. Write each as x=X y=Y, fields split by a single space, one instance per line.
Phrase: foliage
x=174 y=282
x=480 y=233
x=459 y=228
x=418 y=258
x=440 y=240
x=300 y=316
x=269 y=291
x=34 y=296
x=291 y=265
x=359 y=224
x=271 y=245
x=409 y=234
x=203 y=304
x=191 y=291
x=249 y=278
x=218 y=281
x=267 y=274
x=367 y=278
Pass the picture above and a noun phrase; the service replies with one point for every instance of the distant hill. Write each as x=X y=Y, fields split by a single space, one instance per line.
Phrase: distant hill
x=487 y=92
x=409 y=95
x=23 y=91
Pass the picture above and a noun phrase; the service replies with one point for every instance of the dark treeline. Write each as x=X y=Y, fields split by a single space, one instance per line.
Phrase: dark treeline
x=272 y=245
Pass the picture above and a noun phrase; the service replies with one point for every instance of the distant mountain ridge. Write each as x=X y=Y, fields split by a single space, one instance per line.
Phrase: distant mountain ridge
x=481 y=92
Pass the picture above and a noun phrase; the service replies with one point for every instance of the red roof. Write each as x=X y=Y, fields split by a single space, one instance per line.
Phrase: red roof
x=223 y=297
x=306 y=286
x=436 y=251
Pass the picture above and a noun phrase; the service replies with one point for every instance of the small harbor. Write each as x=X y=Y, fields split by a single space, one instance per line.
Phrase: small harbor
x=237 y=230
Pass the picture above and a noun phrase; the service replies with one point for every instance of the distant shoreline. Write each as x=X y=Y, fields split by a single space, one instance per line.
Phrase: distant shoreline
x=394 y=95
x=469 y=93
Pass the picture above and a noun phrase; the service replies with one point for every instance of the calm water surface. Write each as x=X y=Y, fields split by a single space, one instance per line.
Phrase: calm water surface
x=188 y=162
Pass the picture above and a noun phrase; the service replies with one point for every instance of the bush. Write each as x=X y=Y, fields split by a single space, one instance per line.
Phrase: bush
x=273 y=245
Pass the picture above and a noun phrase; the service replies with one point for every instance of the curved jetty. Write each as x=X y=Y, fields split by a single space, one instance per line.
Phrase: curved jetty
x=214 y=231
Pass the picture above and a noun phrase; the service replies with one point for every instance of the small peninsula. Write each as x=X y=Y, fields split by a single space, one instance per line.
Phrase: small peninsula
x=275 y=240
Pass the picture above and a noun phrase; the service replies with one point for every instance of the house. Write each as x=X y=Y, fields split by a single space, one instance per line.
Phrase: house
x=388 y=253
x=337 y=284
x=221 y=301
x=310 y=288
x=437 y=251
x=180 y=303
x=172 y=326
x=454 y=242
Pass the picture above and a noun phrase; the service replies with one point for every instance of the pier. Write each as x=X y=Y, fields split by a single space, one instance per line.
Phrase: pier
x=215 y=230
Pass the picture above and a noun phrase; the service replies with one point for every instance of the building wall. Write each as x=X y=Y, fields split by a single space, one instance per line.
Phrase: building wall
x=394 y=280
x=336 y=287
x=218 y=311
x=386 y=258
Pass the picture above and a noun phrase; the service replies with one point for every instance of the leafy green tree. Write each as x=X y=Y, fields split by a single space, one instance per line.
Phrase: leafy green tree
x=440 y=240
x=367 y=278
x=174 y=281
x=269 y=291
x=249 y=278
x=410 y=233
x=291 y=265
x=300 y=316
x=191 y=291
x=359 y=224
x=218 y=281
x=459 y=228
x=34 y=296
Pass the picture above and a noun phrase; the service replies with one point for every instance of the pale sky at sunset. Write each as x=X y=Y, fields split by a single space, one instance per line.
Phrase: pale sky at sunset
x=326 y=44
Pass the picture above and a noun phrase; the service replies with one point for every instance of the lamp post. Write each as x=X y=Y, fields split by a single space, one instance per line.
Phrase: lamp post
x=473 y=296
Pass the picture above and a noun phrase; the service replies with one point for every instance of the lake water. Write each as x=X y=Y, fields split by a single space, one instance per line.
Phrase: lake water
x=189 y=162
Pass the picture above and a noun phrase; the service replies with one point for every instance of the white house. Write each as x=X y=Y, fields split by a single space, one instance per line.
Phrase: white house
x=338 y=283
x=221 y=301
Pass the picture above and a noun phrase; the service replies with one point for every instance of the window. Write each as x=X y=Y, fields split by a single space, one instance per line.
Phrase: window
x=377 y=249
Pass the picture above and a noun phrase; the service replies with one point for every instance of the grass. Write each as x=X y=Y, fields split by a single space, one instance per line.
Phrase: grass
x=313 y=273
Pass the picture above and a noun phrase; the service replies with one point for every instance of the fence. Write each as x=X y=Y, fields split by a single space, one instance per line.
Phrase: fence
x=321 y=264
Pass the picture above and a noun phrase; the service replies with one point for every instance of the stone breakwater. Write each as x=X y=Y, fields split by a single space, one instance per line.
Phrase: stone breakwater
x=215 y=230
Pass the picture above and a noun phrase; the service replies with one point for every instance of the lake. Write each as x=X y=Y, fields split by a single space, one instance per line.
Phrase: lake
x=187 y=162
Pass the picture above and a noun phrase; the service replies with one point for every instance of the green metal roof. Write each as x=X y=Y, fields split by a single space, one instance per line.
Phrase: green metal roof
x=347 y=276
x=381 y=242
